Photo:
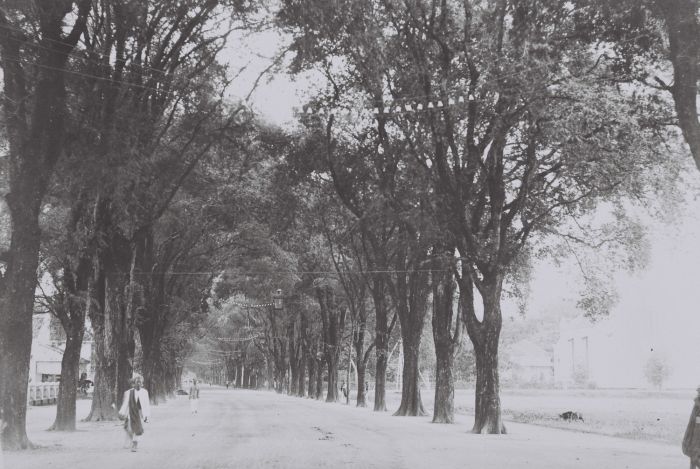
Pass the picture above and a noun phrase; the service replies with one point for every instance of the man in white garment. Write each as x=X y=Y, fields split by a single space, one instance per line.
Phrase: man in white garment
x=194 y=396
x=135 y=408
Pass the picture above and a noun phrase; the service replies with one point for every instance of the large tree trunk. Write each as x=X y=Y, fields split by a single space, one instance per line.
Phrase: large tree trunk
x=445 y=343
x=239 y=376
x=312 y=376
x=294 y=348
x=150 y=369
x=16 y=323
x=411 y=404
x=332 y=364
x=105 y=393
x=34 y=120
x=113 y=338
x=301 y=378
x=488 y=402
x=381 y=347
x=70 y=371
x=410 y=293
x=294 y=381
x=303 y=353
x=362 y=356
x=485 y=336
x=444 y=387
x=361 y=394
x=319 y=380
x=333 y=319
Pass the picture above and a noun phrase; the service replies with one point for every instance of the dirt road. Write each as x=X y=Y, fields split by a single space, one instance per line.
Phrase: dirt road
x=250 y=429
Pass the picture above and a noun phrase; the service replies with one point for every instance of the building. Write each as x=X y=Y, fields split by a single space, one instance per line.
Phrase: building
x=48 y=343
x=526 y=363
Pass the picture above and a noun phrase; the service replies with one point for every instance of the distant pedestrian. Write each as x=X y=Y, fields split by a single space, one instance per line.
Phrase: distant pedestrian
x=344 y=389
x=194 y=396
x=135 y=408
x=691 y=440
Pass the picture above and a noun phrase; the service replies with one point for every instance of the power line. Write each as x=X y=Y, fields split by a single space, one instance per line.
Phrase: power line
x=77 y=53
x=299 y=272
x=424 y=103
x=84 y=75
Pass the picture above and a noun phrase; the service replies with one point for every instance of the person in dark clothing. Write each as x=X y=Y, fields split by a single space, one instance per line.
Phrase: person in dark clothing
x=691 y=440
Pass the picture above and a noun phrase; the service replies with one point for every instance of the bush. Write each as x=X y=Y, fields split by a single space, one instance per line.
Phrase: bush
x=657 y=370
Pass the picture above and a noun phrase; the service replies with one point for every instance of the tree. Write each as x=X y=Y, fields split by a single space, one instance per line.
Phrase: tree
x=657 y=370
x=69 y=271
x=150 y=81
x=447 y=333
x=650 y=37
x=34 y=71
x=541 y=134
x=333 y=320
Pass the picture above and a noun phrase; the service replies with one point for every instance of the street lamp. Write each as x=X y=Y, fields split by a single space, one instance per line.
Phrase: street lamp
x=278 y=300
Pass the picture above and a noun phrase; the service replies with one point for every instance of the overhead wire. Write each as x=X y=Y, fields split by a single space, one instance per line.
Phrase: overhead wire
x=438 y=103
x=84 y=75
x=400 y=105
x=82 y=54
x=75 y=52
x=299 y=272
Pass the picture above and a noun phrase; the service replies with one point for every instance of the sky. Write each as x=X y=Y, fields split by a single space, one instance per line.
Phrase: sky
x=277 y=94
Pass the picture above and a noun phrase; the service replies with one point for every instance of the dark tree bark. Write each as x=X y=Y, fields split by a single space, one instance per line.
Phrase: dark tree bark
x=319 y=379
x=315 y=371
x=239 y=376
x=69 y=304
x=381 y=341
x=312 y=376
x=112 y=331
x=295 y=357
x=485 y=336
x=70 y=369
x=683 y=28
x=35 y=108
x=71 y=312
x=446 y=342
x=361 y=362
x=411 y=403
x=410 y=291
x=333 y=318
x=303 y=353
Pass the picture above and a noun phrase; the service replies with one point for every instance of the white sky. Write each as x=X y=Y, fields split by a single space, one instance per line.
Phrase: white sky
x=277 y=94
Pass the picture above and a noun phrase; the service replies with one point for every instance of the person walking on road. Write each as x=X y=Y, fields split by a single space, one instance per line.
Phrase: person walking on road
x=135 y=409
x=194 y=396
x=691 y=440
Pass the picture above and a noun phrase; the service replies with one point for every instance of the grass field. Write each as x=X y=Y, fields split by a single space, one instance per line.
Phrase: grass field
x=640 y=415
x=628 y=414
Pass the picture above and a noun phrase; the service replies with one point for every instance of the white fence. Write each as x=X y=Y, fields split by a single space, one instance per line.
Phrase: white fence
x=43 y=393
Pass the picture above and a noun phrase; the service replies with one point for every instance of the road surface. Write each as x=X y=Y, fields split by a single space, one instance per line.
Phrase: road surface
x=251 y=429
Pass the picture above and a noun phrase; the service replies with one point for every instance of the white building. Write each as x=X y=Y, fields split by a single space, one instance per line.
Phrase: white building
x=528 y=364
x=47 y=351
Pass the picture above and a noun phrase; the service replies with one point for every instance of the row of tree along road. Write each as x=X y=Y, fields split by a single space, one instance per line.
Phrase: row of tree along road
x=152 y=202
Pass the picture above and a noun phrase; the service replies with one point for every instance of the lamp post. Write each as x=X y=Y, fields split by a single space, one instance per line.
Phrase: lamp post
x=278 y=306
x=278 y=300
